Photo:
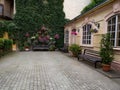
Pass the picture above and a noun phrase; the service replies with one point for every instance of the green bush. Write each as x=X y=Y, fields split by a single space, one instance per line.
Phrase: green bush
x=1 y=43
x=106 y=49
x=75 y=49
x=52 y=48
x=5 y=46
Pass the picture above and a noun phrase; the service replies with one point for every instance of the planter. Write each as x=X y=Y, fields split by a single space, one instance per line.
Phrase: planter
x=106 y=67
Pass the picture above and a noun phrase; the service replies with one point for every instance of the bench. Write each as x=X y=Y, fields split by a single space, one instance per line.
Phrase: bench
x=40 y=47
x=90 y=55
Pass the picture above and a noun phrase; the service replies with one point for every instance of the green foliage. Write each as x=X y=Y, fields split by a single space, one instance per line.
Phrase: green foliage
x=75 y=49
x=10 y=27
x=106 y=49
x=1 y=43
x=93 y=4
x=52 y=48
x=32 y=14
x=5 y=46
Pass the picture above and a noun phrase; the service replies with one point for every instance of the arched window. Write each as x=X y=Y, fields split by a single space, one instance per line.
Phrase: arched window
x=114 y=29
x=86 y=36
x=1 y=9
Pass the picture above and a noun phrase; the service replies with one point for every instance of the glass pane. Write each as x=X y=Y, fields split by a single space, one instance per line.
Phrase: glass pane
x=113 y=27
x=113 y=20
x=109 y=28
x=109 y=22
x=1 y=10
x=113 y=35
x=118 y=27
x=118 y=18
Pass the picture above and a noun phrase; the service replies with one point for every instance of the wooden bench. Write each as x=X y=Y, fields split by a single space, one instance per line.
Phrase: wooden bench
x=40 y=47
x=90 y=55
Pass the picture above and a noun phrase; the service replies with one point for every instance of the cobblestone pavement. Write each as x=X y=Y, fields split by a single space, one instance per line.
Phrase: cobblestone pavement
x=50 y=71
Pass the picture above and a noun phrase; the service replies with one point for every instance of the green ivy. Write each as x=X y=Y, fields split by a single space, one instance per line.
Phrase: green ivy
x=93 y=4
x=32 y=14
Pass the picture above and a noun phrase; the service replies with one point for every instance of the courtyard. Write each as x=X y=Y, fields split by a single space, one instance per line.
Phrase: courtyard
x=50 y=71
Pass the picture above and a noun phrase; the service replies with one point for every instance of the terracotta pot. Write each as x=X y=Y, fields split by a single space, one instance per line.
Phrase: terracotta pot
x=106 y=67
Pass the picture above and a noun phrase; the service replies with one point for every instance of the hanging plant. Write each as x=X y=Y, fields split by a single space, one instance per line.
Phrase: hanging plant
x=74 y=32
x=93 y=30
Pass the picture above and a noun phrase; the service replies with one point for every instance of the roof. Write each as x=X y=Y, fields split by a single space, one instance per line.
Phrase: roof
x=96 y=7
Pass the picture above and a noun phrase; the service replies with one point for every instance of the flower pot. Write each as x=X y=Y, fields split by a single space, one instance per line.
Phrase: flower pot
x=106 y=67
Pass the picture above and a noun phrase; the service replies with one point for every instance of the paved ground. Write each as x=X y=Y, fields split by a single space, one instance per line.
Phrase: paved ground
x=50 y=71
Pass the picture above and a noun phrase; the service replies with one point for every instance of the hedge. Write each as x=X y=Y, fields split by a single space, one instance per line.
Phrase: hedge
x=5 y=46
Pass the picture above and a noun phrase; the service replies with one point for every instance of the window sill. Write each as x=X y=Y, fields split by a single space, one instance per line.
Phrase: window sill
x=87 y=45
x=116 y=48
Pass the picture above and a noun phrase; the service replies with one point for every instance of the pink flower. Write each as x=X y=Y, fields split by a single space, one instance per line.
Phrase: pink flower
x=48 y=37
x=73 y=33
x=27 y=34
x=57 y=36
x=41 y=39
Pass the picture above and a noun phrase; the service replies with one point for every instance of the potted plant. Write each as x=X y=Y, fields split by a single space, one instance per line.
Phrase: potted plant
x=75 y=49
x=93 y=30
x=106 y=52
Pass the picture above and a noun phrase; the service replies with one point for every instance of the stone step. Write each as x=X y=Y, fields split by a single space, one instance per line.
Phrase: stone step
x=115 y=65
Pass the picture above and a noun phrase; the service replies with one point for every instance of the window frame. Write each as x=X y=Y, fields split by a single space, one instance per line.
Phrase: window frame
x=86 y=36
x=2 y=13
x=67 y=36
x=115 y=31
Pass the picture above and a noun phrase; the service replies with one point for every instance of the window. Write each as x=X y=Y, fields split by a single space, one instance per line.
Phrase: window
x=67 y=36
x=1 y=9
x=114 y=30
x=86 y=38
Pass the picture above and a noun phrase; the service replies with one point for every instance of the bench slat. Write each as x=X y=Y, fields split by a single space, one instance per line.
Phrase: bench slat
x=90 y=55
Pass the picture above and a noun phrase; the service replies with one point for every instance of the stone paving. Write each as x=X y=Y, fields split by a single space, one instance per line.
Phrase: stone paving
x=50 y=71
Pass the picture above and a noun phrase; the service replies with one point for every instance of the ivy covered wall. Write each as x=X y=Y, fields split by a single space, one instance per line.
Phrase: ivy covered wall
x=32 y=14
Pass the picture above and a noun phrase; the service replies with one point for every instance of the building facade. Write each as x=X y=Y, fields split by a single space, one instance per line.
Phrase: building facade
x=90 y=26
x=7 y=9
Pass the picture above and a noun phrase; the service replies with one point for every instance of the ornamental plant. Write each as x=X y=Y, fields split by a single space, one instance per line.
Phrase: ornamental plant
x=106 y=49
x=93 y=30
x=75 y=49
x=74 y=32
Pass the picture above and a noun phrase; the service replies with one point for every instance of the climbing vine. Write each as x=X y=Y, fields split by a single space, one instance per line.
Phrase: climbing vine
x=93 y=4
x=32 y=14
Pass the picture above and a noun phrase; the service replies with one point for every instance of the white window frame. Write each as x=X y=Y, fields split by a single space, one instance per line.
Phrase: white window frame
x=91 y=40
x=67 y=36
x=116 y=29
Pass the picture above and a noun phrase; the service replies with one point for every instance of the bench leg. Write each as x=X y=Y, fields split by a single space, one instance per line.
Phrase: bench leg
x=95 y=64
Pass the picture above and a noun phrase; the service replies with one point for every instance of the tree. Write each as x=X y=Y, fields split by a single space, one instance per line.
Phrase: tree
x=90 y=6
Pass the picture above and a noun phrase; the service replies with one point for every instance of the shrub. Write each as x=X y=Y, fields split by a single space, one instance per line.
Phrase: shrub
x=1 y=43
x=106 y=49
x=7 y=44
x=52 y=48
x=75 y=49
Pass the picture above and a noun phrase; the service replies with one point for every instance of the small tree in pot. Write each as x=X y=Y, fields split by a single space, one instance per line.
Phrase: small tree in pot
x=75 y=49
x=106 y=52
